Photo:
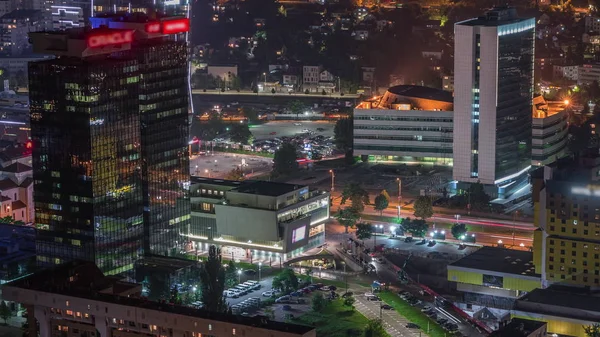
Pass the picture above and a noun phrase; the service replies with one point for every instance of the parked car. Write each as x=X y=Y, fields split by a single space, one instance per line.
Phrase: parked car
x=412 y=326
x=269 y=293
x=442 y=321
x=296 y=294
x=426 y=308
x=283 y=299
x=386 y=307
x=408 y=239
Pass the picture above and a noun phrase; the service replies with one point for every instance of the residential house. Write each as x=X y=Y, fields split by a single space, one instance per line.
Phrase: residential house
x=310 y=74
x=326 y=76
x=592 y=24
x=291 y=81
x=16 y=189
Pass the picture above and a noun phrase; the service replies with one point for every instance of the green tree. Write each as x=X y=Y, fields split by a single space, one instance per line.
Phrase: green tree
x=296 y=107
x=240 y=133
x=5 y=312
x=212 y=278
x=592 y=330
x=250 y=113
x=423 y=208
x=231 y=277
x=375 y=328
x=343 y=134
x=7 y=219
x=236 y=83
x=236 y=174
x=381 y=203
x=357 y=195
x=214 y=126
x=284 y=161
x=458 y=230
x=363 y=231
x=349 y=301
x=418 y=228
x=478 y=199
x=386 y=195
x=347 y=216
x=318 y=302
x=286 y=281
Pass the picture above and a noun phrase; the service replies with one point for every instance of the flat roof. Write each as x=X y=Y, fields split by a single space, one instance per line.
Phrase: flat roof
x=518 y=327
x=216 y=182
x=500 y=260
x=56 y=280
x=568 y=298
x=268 y=188
x=418 y=91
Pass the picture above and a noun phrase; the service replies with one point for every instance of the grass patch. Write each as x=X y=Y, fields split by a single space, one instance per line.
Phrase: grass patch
x=335 y=320
x=413 y=314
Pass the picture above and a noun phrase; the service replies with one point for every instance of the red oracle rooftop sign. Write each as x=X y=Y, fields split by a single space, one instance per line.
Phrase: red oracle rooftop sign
x=176 y=26
x=101 y=40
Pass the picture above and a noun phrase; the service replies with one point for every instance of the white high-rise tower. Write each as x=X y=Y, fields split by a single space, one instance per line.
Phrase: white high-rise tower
x=493 y=91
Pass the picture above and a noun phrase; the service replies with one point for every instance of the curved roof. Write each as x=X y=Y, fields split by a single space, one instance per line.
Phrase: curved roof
x=422 y=92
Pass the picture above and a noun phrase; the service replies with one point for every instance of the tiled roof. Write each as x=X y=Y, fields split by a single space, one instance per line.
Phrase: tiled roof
x=18 y=205
x=16 y=168
x=7 y=184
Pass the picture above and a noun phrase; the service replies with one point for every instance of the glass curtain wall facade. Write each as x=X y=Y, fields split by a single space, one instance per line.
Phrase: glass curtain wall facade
x=164 y=103
x=515 y=94
x=87 y=161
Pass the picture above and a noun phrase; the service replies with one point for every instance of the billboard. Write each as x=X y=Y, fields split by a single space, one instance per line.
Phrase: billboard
x=298 y=234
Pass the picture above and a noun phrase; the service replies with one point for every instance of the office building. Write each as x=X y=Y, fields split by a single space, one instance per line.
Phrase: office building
x=66 y=17
x=256 y=220
x=518 y=327
x=77 y=299
x=407 y=123
x=550 y=131
x=491 y=279
x=15 y=27
x=567 y=213
x=109 y=131
x=568 y=72
x=588 y=73
x=493 y=92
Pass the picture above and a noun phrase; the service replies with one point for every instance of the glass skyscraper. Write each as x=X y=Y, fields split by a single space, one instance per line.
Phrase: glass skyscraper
x=109 y=119
x=493 y=92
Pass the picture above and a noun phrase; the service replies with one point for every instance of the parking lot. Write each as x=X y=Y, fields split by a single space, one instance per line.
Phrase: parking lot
x=217 y=165
x=273 y=129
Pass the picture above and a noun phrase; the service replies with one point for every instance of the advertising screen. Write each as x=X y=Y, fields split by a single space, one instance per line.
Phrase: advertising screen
x=298 y=234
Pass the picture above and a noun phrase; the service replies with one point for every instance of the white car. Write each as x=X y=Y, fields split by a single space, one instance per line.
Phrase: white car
x=297 y=124
x=269 y=293
x=426 y=308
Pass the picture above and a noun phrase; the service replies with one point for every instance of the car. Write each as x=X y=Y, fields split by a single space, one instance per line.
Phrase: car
x=426 y=308
x=408 y=239
x=415 y=303
x=442 y=321
x=381 y=260
x=268 y=293
x=332 y=288
x=386 y=307
x=272 y=133
x=251 y=272
x=432 y=314
x=412 y=326
x=373 y=298
x=296 y=294
x=283 y=299
x=404 y=293
x=305 y=130
x=320 y=129
x=297 y=124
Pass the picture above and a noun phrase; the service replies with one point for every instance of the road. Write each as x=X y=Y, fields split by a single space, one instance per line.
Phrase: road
x=269 y=94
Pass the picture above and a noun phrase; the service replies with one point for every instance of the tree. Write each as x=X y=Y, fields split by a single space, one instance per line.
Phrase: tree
x=296 y=107
x=375 y=328
x=357 y=196
x=347 y=217
x=381 y=203
x=240 y=133
x=250 y=113
x=212 y=278
x=363 y=231
x=7 y=219
x=478 y=199
x=214 y=126
x=592 y=330
x=284 y=161
x=236 y=83
x=5 y=312
x=458 y=230
x=386 y=195
x=236 y=174
x=286 y=281
x=318 y=302
x=349 y=301
x=231 y=277
x=343 y=134
x=418 y=228
x=423 y=208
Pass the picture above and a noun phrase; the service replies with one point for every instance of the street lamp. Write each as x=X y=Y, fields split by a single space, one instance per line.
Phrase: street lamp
x=332 y=179
x=399 y=195
x=259 y=268
x=207 y=172
x=239 y=276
